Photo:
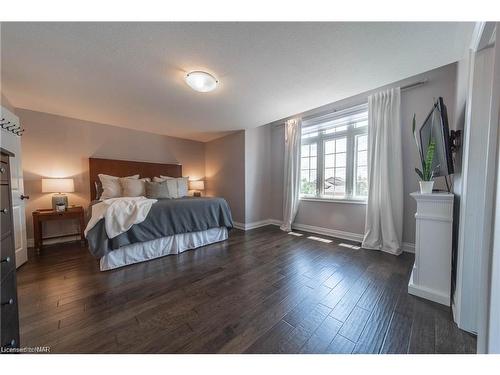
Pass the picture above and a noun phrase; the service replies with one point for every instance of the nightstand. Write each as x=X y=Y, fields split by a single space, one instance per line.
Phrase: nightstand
x=71 y=213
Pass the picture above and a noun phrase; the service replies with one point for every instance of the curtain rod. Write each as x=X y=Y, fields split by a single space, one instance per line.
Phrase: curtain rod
x=414 y=84
x=402 y=88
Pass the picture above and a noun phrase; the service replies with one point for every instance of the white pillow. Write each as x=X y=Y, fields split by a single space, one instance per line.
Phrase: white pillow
x=132 y=187
x=182 y=186
x=177 y=187
x=162 y=179
x=111 y=187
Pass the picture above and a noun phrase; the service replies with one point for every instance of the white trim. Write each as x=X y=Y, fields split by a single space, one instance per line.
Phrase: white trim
x=252 y=225
x=408 y=247
x=329 y=232
x=476 y=208
x=477 y=34
x=432 y=217
x=355 y=237
x=52 y=241
x=275 y=222
x=328 y=200
x=427 y=293
x=434 y=197
x=256 y=224
x=238 y=225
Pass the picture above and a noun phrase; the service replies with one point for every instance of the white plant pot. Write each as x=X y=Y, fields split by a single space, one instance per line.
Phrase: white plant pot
x=426 y=187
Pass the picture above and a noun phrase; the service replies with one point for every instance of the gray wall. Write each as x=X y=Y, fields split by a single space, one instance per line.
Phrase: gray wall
x=6 y=103
x=57 y=146
x=225 y=171
x=257 y=174
x=350 y=217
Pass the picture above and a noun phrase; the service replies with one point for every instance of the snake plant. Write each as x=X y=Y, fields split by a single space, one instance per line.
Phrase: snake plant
x=427 y=172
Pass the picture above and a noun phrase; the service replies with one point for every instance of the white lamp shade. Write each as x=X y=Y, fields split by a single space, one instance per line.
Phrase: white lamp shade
x=58 y=185
x=197 y=185
x=201 y=81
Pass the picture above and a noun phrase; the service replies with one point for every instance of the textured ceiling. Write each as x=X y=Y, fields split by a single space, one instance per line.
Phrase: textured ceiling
x=131 y=74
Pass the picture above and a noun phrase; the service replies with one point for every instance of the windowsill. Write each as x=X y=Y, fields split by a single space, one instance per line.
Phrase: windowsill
x=337 y=200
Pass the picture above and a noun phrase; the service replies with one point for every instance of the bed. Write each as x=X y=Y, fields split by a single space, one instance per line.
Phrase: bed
x=170 y=227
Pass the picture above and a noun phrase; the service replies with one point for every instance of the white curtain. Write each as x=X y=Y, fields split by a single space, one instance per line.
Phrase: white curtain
x=384 y=211
x=291 y=180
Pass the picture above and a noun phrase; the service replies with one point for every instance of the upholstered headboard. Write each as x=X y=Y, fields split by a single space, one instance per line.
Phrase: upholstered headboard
x=122 y=168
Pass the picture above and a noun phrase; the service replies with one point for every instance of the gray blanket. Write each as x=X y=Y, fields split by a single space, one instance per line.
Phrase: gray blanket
x=166 y=218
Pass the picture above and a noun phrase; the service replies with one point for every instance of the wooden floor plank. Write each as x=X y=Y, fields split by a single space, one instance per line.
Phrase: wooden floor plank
x=322 y=337
x=340 y=345
x=397 y=338
x=261 y=291
x=355 y=324
x=375 y=329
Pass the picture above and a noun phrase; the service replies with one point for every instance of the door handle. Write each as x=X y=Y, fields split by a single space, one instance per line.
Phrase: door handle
x=24 y=197
x=4 y=210
x=9 y=302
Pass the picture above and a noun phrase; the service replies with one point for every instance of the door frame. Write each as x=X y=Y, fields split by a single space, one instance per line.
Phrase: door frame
x=12 y=143
x=488 y=339
x=475 y=231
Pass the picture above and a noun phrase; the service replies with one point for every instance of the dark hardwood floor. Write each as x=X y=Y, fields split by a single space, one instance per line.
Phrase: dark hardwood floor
x=262 y=291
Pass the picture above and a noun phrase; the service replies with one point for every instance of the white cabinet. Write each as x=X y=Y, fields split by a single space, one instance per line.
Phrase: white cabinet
x=431 y=275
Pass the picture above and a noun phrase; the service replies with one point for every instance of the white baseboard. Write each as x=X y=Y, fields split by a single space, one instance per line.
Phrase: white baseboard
x=31 y=241
x=275 y=222
x=409 y=247
x=329 y=232
x=253 y=225
x=355 y=237
x=239 y=225
x=430 y=294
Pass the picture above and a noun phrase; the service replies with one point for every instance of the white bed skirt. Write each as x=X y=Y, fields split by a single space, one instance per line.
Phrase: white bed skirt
x=176 y=244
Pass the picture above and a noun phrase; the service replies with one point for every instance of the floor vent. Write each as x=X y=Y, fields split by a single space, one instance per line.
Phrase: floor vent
x=349 y=246
x=319 y=239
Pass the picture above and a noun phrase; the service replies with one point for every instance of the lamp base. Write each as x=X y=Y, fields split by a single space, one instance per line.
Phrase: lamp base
x=58 y=199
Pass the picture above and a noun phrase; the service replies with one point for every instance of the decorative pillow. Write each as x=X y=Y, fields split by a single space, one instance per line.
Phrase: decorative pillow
x=98 y=189
x=182 y=186
x=181 y=182
x=132 y=187
x=156 y=190
x=111 y=187
x=161 y=179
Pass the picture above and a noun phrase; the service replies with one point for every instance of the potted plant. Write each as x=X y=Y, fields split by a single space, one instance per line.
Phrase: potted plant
x=426 y=174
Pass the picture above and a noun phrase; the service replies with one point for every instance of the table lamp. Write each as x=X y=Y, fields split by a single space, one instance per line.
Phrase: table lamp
x=197 y=186
x=59 y=186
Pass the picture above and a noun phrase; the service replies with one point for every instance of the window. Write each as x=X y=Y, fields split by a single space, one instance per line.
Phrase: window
x=334 y=155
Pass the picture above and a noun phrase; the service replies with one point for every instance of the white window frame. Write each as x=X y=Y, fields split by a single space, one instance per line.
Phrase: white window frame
x=350 y=134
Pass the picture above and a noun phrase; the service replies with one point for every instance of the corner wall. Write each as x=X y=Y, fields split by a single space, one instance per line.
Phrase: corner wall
x=257 y=174
x=225 y=171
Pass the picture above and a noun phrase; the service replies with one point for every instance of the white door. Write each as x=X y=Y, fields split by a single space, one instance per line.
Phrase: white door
x=12 y=142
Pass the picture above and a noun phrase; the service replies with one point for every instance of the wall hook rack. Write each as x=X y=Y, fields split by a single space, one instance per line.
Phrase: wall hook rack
x=11 y=127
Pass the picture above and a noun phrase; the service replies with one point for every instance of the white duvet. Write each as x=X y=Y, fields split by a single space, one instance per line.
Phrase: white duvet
x=120 y=214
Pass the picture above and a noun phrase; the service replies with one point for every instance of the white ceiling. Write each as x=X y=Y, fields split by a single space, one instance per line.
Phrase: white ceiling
x=131 y=74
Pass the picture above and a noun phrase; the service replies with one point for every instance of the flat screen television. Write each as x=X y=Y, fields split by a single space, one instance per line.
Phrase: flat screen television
x=435 y=127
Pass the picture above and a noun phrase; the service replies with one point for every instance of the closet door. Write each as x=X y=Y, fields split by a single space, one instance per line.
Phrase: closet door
x=12 y=142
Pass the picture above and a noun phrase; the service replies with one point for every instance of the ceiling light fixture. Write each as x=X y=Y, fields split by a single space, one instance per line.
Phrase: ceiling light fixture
x=201 y=81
